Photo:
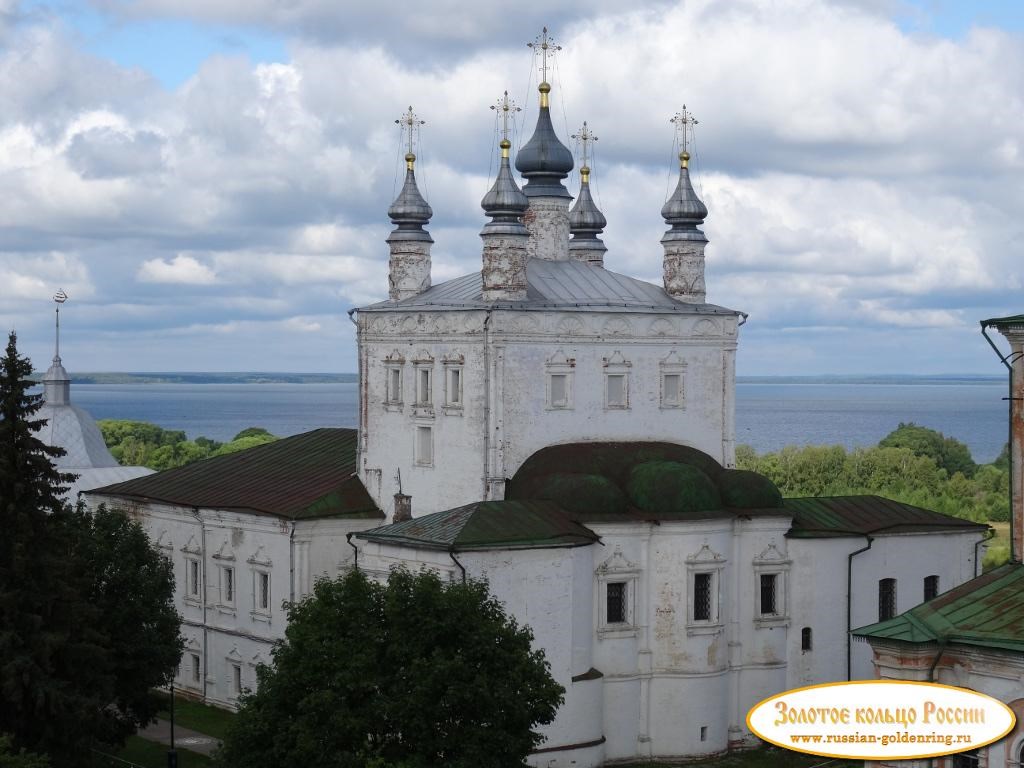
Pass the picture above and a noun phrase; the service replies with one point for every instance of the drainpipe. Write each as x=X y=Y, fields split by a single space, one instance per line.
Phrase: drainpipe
x=355 y=557
x=1006 y=360
x=451 y=554
x=206 y=631
x=487 y=404
x=291 y=563
x=849 y=604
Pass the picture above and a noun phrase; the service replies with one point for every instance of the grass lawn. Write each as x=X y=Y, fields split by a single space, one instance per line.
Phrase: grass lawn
x=199 y=717
x=152 y=755
x=766 y=757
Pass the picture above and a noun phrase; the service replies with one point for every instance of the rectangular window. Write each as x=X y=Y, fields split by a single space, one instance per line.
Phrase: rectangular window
x=615 y=390
x=236 y=679
x=193 y=578
x=616 y=602
x=227 y=586
x=394 y=385
x=423 y=386
x=769 y=594
x=702 y=597
x=197 y=671
x=805 y=639
x=671 y=390
x=559 y=386
x=931 y=587
x=425 y=446
x=263 y=591
x=454 y=389
x=886 y=599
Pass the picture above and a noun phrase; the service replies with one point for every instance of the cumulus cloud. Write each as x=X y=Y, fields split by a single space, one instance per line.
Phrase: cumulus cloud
x=858 y=176
x=179 y=270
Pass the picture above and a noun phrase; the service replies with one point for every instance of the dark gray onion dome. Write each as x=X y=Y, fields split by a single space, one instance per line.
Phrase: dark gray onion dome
x=544 y=161
x=684 y=211
x=505 y=203
x=410 y=212
x=585 y=220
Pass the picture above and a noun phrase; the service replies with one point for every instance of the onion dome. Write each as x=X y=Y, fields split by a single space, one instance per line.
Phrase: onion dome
x=505 y=203
x=585 y=220
x=410 y=212
x=544 y=161
x=684 y=211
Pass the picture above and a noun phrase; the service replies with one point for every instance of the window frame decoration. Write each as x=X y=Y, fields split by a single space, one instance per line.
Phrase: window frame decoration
x=454 y=367
x=559 y=364
x=423 y=370
x=617 y=569
x=394 y=396
x=772 y=562
x=616 y=366
x=672 y=365
x=704 y=561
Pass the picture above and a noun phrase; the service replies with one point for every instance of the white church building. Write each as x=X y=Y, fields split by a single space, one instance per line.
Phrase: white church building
x=566 y=432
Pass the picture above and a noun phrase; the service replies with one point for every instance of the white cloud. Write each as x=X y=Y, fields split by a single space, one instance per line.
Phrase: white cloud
x=179 y=270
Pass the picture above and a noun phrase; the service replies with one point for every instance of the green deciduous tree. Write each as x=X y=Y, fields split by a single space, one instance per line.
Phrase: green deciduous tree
x=948 y=453
x=416 y=673
x=79 y=596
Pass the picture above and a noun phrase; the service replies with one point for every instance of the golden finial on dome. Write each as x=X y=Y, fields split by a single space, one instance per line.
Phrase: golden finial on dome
x=684 y=122
x=410 y=160
x=410 y=123
x=684 y=159
x=544 y=45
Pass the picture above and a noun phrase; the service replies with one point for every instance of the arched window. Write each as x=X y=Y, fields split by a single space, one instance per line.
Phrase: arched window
x=1020 y=754
x=805 y=639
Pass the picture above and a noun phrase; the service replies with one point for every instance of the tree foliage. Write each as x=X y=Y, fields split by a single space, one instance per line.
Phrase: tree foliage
x=139 y=443
x=416 y=673
x=948 y=453
x=85 y=602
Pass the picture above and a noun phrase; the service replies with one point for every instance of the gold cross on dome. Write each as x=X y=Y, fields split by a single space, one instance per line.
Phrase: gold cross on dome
x=506 y=107
x=584 y=136
x=543 y=43
x=410 y=124
x=684 y=122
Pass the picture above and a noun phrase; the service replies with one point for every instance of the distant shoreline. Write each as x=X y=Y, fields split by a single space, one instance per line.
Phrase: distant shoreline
x=351 y=378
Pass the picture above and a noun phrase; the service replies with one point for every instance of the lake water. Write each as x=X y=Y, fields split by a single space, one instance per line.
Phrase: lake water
x=768 y=415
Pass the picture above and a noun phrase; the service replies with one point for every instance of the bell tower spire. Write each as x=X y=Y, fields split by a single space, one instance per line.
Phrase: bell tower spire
x=56 y=382
x=684 y=244
x=409 y=243
x=544 y=162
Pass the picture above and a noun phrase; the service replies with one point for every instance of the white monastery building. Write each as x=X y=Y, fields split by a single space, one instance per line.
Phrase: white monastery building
x=566 y=432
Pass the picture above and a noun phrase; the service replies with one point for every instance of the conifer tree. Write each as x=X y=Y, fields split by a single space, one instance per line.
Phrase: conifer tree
x=85 y=601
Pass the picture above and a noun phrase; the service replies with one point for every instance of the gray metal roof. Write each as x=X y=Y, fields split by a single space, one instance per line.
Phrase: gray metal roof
x=74 y=430
x=555 y=285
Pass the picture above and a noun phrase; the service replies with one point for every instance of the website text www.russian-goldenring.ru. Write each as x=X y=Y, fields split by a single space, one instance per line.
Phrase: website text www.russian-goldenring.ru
x=885 y=739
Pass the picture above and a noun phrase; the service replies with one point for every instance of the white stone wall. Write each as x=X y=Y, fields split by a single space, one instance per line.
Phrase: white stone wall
x=819 y=594
x=223 y=632
x=507 y=414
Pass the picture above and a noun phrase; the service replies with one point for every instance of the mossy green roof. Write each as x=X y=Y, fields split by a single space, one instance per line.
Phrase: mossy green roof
x=488 y=525
x=832 y=516
x=987 y=612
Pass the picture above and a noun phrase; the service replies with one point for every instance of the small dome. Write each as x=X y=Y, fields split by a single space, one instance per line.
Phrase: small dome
x=744 y=489
x=684 y=210
x=669 y=488
x=505 y=202
x=585 y=218
x=410 y=211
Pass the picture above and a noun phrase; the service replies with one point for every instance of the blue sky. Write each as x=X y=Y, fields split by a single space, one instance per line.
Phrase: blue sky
x=209 y=179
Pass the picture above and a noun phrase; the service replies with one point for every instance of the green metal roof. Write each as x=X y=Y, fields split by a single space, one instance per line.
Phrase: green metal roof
x=864 y=515
x=987 y=611
x=997 y=321
x=488 y=525
x=307 y=476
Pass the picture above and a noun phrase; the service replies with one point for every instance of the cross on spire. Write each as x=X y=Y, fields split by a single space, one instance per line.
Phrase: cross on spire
x=543 y=43
x=507 y=108
x=410 y=124
x=584 y=136
x=684 y=122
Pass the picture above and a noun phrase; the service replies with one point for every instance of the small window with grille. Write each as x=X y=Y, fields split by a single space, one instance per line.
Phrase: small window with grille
x=805 y=639
x=702 y=596
x=886 y=599
x=616 y=602
x=931 y=587
x=769 y=594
